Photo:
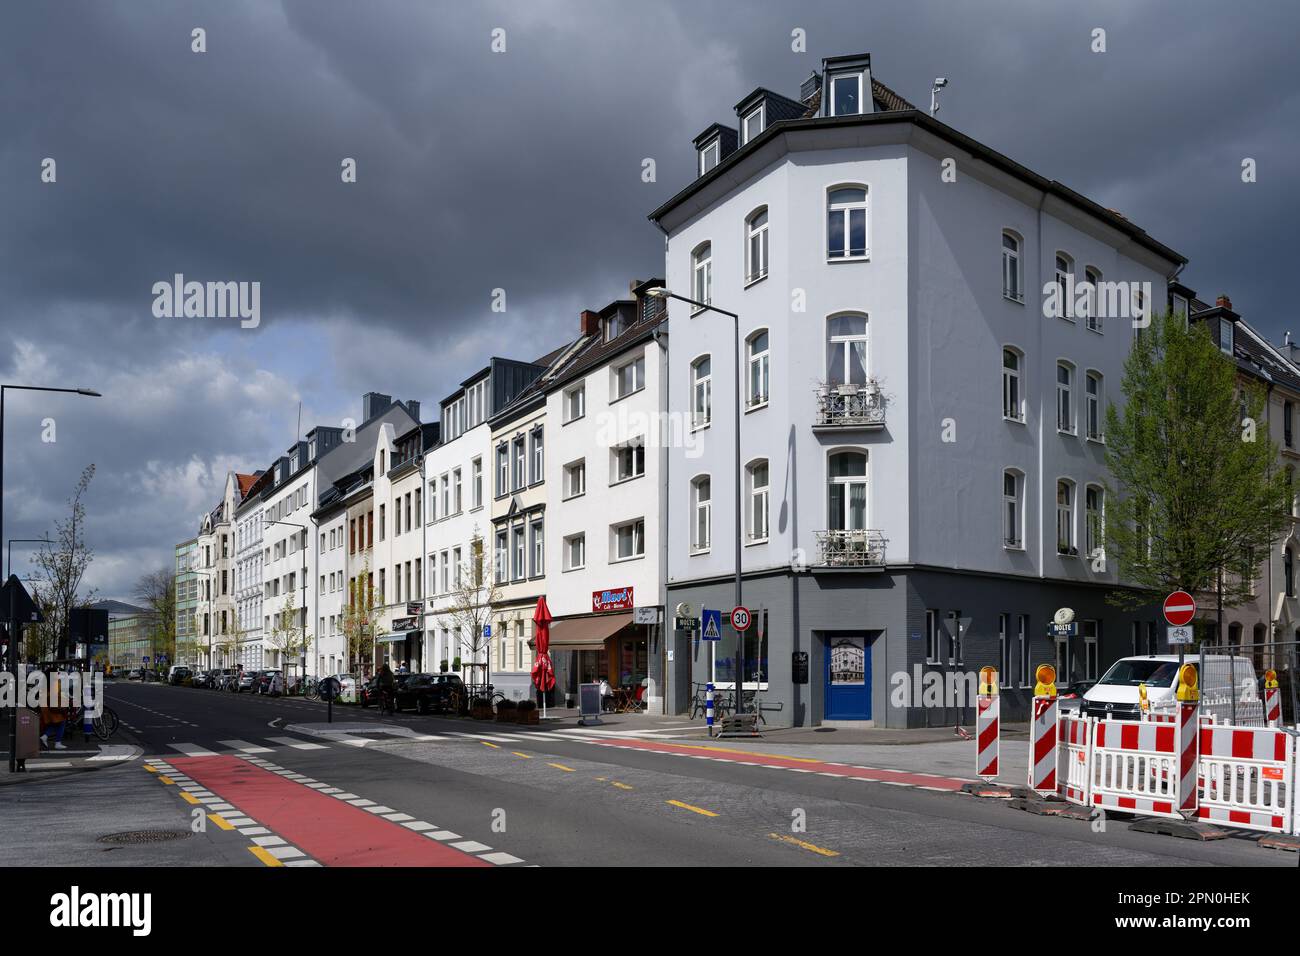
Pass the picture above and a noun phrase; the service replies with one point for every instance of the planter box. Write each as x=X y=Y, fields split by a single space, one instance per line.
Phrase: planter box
x=505 y=716
x=481 y=713
x=529 y=716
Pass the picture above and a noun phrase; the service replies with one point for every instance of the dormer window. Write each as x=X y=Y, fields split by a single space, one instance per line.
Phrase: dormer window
x=752 y=124
x=846 y=94
x=1225 y=336
x=710 y=154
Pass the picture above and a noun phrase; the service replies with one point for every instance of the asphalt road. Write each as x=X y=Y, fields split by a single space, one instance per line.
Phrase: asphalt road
x=267 y=782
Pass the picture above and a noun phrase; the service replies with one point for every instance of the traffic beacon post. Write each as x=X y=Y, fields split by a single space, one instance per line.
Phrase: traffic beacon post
x=1272 y=700
x=986 y=725
x=1042 y=762
x=1188 y=696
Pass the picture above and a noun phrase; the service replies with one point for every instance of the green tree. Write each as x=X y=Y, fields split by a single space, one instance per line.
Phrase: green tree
x=156 y=591
x=63 y=561
x=1197 y=496
x=359 y=621
x=289 y=635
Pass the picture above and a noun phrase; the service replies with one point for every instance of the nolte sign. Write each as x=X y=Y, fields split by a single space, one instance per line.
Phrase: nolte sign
x=611 y=600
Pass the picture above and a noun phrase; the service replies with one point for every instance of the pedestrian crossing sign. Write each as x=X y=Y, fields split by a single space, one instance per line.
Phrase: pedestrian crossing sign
x=712 y=621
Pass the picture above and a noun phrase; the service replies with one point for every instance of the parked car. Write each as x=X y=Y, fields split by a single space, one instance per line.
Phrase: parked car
x=263 y=685
x=425 y=693
x=368 y=692
x=221 y=679
x=1225 y=678
x=178 y=673
x=349 y=686
x=248 y=681
x=134 y=674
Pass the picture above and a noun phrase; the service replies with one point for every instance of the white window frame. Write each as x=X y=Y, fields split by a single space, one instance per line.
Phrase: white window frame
x=1013 y=276
x=575 y=470
x=759 y=502
x=712 y=146
x=756 y=271
x=1013 y=510
x=637 y=529
x=759 y=111
x=702 y=276
x=701 y=393
x=848 y=481
x=846 y=75
x=635 y=451
x=575 y=395
x=1012 y=381
x=1092 y=311
x=1065 y=412
x=1065 y=515
x=476 y=482
x=1094 y=519
x=637 y=365
x=848 y=341
x=1230 y=328
x=845 y=210
x=1065 y=285
x=701 y=514
x=1093 y=392
x=759 y=366
x=579 y=539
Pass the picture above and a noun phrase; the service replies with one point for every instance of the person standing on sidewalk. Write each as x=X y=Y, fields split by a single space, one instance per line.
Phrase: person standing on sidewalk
x=53 y=717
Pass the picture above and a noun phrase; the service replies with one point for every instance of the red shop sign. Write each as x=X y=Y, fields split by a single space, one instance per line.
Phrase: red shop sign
x=617 y=599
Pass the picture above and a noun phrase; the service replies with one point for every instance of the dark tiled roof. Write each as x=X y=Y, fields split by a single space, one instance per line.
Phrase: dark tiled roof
x=596 y=351
x=1258 y=352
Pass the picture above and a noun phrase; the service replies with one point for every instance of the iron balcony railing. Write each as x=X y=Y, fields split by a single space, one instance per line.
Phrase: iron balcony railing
x=860 y=406
x=852 y=549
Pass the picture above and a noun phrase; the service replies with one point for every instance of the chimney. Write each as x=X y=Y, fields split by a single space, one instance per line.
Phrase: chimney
x=1223 y=302
x=590 y=323
x=413 y=407
x=810 y=87
x=372 y=403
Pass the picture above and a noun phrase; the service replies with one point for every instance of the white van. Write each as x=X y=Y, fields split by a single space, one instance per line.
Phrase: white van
x=1225 y=677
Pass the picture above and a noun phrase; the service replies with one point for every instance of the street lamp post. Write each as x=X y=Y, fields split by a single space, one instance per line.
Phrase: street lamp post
x=662 y=293
x=316 y=648
x=12 y=628
x=9 y=564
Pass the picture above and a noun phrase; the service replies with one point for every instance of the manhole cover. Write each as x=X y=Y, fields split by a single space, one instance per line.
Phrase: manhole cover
x=144 y=836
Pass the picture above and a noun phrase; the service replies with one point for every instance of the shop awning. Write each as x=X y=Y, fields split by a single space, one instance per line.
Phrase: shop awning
x=395 y=638
x=586 y=633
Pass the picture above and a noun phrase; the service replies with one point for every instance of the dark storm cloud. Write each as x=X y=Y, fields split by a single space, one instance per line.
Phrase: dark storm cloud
x=518 y=171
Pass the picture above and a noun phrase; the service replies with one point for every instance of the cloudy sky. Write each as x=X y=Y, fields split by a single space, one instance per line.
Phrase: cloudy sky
x=518 y=170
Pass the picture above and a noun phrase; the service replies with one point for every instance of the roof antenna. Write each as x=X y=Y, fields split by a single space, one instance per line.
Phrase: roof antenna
x=939 y=83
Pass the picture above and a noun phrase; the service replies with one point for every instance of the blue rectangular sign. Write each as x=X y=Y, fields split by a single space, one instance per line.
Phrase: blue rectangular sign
x=711 y=625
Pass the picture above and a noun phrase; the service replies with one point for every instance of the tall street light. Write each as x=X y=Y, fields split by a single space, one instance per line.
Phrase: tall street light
x=12 y=626
x=661 y=293
x=9 y=565
x=316 y=640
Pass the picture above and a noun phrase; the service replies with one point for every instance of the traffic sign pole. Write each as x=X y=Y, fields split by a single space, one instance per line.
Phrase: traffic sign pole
x=1179 y=609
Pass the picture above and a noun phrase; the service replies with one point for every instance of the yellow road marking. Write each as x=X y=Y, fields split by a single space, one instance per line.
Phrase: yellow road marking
x=221 y=821
x=163 y=778
x=265 y=857
x=621 y=786
x=560 y=766
x=810 y=847
x=602 y=779
x=151 y=769
x=486 y=744
x=686 y=806
x=189 y=798
x=518 y=754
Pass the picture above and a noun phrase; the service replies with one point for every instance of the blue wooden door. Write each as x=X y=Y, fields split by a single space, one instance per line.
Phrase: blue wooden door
x=848 y=677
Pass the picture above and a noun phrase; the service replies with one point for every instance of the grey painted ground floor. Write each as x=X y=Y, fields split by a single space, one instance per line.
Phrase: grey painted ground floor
x=898 y=647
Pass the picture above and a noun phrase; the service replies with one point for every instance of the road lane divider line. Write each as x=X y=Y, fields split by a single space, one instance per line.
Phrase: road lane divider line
x=686 y=806
x=803 y=844
x=525 y=756
x=486 y=744
x=560 y=766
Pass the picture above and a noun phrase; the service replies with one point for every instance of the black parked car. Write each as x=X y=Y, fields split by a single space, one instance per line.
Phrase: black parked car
x=425 y=693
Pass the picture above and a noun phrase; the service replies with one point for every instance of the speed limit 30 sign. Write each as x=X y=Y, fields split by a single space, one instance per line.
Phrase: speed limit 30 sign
x=740 y=618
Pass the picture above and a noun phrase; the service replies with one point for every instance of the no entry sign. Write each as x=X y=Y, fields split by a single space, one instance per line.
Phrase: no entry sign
x=1180 y=608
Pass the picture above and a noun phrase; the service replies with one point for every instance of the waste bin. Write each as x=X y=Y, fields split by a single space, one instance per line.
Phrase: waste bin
x=29 y=734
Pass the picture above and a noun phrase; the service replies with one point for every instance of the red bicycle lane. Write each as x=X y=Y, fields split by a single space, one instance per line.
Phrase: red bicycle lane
x=331 y=831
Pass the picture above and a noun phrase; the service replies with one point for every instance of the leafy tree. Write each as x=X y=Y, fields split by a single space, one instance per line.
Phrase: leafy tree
x=474 y=594
x=1198 y=495
x=64 y=560
x=289 y=634
x=156 y=592
x=359 y=621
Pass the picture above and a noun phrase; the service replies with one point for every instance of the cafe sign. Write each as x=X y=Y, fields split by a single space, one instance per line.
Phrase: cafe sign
x=618 y=599
x=406 y=624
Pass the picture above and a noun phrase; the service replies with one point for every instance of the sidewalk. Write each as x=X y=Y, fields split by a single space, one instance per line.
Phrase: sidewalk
x=80 y=756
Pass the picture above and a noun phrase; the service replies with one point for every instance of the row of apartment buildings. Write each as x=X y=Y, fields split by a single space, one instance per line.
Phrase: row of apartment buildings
x=847 y=383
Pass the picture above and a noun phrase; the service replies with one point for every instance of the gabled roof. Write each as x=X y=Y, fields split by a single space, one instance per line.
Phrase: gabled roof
x=246 y=483
x=1252 y=352
x=595 y=351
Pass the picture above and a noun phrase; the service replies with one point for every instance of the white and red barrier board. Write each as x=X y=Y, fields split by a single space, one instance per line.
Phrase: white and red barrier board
x=1042 y=737
x=986 y=736
x=1248 y=778
x=1135 y=767
x=1074 y=758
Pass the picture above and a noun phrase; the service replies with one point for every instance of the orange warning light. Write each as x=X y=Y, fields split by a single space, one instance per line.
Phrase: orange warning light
x=1045 y=676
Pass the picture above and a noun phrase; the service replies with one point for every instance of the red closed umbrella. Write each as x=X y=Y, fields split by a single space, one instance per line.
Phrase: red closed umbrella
x=543 y=671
